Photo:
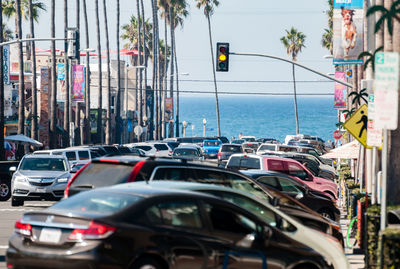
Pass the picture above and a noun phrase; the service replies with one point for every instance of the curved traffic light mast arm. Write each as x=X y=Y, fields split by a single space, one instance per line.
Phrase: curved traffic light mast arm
x=295 y=63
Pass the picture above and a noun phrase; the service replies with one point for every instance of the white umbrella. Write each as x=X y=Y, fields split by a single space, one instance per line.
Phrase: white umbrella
x=23 y=139
x=347 y=151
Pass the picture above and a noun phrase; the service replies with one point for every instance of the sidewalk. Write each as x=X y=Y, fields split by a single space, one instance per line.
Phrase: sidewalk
x=355 y=256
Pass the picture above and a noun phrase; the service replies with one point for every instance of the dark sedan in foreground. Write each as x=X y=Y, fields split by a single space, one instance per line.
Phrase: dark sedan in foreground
x=152 y=228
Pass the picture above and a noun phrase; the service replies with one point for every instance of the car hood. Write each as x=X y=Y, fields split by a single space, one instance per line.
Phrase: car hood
x=42 y=174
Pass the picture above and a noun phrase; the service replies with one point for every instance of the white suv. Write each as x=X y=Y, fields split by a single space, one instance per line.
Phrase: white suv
x=158 y=149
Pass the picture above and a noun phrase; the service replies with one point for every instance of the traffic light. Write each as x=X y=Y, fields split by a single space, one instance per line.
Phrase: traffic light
x=73 y=43
x=223 y=57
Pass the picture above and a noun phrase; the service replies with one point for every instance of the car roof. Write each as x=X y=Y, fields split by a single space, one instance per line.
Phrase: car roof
x=44 y=156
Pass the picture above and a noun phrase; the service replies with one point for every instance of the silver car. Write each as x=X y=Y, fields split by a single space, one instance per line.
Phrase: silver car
x=39 y=177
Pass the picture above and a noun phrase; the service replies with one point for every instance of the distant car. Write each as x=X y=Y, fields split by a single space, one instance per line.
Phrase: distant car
x=39 y=177
x=210 y=148
x=227 y=150
x=158 y=149
x=187 y=152
x=248 y=138
x=268 y=140
x=73 y=154
x=156 y=228
x=238 y=141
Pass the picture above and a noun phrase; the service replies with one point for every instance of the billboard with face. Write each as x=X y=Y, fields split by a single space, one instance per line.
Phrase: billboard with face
x=348 y=31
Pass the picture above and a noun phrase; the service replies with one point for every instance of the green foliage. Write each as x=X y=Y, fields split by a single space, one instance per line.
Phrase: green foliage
x=294 y=41
x=391 y=248
x=370 y=57
x=387 y=15
x=358 y=96
x=373 y=226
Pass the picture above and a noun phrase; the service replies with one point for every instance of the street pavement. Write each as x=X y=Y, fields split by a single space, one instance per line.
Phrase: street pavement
x=9 y=214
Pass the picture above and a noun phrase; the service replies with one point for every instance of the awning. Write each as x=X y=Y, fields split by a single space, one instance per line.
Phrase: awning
x=347 y=151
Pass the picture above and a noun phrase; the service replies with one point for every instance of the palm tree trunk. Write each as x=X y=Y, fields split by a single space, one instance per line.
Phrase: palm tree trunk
x=139 y=62
x=108 y=119
x=295 y=101
x=388 y=43
x=146 y=112
x=118 y=105
x=77 y=104
x=34 y=132
x=172 y=71
x=53 y=104
x=87 y=74
x=100 y=92
x=21 y=86
x=165 y=75
x=67 y=104
x=2 y=134
x=215 y=77
x=177 y=88
x=379 y=34
x=154 y=83
x=159 y=80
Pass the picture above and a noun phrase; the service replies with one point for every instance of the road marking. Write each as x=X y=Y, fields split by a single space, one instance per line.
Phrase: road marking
x=3 y=247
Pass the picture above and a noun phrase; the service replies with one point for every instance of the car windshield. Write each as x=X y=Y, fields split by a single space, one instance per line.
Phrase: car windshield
x=212 y=143
x=99 y=203
x=44 y=164
x=244 y=163
x=230 y=148
x=185 y=152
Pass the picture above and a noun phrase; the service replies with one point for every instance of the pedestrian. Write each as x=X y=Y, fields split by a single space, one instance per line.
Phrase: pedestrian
x=240 y=136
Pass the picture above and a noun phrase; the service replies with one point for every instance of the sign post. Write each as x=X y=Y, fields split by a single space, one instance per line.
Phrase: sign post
x=386 y=109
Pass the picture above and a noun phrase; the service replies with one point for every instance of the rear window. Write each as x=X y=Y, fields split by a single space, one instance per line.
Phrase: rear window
x=244 y=163
x=230 y=148
x=185 y=152
x=97 y=202
x=250 y=145
x=124 y=150
x=287 y=149
x=145 y=148
x=267 y=147
x=102 y=174
x=161 y=147
x=71 y=155
x=83 y=155
x=111 y=149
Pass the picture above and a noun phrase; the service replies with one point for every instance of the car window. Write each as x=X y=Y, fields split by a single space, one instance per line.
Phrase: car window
x=230 y=148
x=102 y=174
x=269 y=180
x=174 y=213
x=224 y=220
x=211 y=143
x=251 y=205
x=275 y=165
x=185 y=152
x=209 y=176
x=243 y=163
x=169 y=173
x=71 y=155
x=57 y=153
x=296 y=170
x=44 y=164
x=288 y=186
x=267 y=147
x=145 y=148
x=161 y=147
x=94 y=154
x=83 y=155
x=242 y=184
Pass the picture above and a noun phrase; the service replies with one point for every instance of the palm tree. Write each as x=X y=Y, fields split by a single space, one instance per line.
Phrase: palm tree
x=100 y=86
x=326 y=41
x=339 y=125
x=21 y=85
x=138 y=71
x=387 y=15
x=53 y=104
x=209 y=6
x=118 y=105
x=145 y=52
x=7 y=33
x=358 y=96
x=294 y=42
x=67 y=104
x=348 y=113
x=2 y=151
x=87 y=95
x=370 y=57
x=108 y=118
x=34 y=132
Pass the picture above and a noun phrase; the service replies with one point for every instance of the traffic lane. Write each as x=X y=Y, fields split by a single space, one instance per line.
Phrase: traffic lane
x=8 y=216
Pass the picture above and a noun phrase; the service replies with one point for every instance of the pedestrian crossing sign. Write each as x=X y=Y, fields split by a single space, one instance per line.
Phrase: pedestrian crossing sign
x=357 y=125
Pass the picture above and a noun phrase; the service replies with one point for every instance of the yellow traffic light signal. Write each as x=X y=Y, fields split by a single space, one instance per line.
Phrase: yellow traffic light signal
x=222 y=57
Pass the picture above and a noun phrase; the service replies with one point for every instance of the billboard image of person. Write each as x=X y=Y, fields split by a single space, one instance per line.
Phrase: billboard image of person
x=348 y=31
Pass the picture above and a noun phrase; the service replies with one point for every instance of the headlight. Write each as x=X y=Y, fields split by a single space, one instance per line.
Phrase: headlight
x=20 y=179
x=62 y=180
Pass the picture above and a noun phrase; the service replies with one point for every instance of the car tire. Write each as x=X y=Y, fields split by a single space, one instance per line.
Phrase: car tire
x=326 y=213
x=5 y=190
x=17 y=202
x=147 y=263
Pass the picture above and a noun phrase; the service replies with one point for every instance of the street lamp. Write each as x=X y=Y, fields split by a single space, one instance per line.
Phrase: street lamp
x=145 y=125
x=184 y=124
x=177 y=101
x=204 y=127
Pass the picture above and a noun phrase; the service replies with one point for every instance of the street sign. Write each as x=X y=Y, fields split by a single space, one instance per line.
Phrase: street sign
x=357 y=125
x=374 y=135
x=337 y=135
x=349 y=73
x=138 y=130
x=386 y=90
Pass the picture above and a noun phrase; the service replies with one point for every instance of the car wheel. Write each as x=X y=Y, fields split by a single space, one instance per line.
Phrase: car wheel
x=17 y=202
x=326 y=214
x=146 y=263
x=5 y=191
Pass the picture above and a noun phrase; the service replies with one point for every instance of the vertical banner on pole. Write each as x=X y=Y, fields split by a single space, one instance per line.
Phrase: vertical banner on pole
x=340 y=98
x=78 y=83
x=6 y=64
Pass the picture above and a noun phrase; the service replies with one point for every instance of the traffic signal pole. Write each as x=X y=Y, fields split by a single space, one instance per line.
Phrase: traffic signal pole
x=33 y=39
x=292 y=62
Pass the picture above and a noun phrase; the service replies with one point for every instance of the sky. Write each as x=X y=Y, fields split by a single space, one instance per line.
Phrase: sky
x=253 y=26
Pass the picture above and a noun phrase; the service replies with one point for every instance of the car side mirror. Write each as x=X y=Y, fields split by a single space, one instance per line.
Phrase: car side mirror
x=299 y=196
x=12 y=169
x=246 y=242
x=74 y=170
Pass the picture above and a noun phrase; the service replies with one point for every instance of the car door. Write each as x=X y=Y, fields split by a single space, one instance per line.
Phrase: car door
x=298 y=172
x=180 y=232
x=244 y=241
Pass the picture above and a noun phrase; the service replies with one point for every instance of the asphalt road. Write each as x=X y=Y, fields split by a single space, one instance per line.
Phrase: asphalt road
x=8 y=216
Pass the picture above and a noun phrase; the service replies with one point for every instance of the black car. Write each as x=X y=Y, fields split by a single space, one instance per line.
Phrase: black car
x=152 y=228
x=316 y=200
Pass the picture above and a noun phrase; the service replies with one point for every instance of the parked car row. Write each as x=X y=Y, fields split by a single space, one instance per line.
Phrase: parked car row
x=144 y=212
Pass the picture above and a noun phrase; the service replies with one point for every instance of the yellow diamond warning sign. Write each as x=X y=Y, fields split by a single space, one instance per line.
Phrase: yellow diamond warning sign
x=357 y=125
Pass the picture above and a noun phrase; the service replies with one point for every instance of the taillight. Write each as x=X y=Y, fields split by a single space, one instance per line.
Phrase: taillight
x=219 y=155
x=66 y=191
x=23 y=229
x=94 y=231
x=135 y=171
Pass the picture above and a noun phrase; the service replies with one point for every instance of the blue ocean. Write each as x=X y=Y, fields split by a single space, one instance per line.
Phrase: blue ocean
x=261 y=116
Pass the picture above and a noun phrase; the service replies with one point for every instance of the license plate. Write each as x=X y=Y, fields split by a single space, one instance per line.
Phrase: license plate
x=50 y=235
x=40 y=190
